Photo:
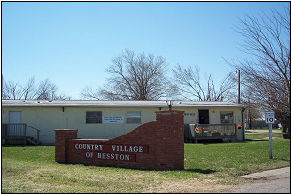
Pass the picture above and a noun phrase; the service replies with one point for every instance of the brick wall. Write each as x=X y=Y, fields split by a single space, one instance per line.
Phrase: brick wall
x=156 y=145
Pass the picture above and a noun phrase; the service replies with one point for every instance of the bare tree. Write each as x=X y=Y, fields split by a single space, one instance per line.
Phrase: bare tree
x=11 y=91
x=267 y=75
x=29 y=91
x=191 y=87
x=46 y=90
x=252 y=111
x=49 y=91
x=134 y=77
x=90 y=93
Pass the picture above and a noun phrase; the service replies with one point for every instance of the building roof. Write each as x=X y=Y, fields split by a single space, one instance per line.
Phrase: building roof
x=113 y=103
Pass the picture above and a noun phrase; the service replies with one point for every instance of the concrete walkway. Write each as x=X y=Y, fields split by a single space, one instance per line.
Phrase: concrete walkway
x=274 y=181
x=253 y=131
x=262 y=131
x=270 y=174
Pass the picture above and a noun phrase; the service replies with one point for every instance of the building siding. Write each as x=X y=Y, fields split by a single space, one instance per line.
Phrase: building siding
x=47 y=119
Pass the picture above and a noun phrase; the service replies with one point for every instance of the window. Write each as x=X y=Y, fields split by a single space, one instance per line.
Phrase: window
x=226 y=117
x=94 y=117
x=133 y=117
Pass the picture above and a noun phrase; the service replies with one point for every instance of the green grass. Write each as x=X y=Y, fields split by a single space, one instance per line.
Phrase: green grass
x=33 y=169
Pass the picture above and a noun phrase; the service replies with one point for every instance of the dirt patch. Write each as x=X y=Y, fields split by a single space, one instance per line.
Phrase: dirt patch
x=187 y=186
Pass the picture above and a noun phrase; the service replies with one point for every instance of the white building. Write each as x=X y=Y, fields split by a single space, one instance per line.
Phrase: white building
x=104 y=119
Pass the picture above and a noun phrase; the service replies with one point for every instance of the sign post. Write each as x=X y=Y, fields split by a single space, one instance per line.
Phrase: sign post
x=270 y=119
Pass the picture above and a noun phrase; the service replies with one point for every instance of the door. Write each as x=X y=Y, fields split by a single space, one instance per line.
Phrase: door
x=203 y=116
x=14 y=117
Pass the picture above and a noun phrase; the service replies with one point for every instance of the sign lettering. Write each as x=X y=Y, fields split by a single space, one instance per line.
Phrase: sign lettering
x=112 y=148
x=113 y=119
x=110 y=156
x=111 y=151
x=270 y=117
x=189 y=114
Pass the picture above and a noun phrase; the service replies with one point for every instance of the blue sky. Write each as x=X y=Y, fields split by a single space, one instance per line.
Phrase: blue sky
x=72 y=43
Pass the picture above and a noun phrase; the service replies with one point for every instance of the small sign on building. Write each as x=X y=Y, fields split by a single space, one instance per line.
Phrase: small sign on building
x=113 y=119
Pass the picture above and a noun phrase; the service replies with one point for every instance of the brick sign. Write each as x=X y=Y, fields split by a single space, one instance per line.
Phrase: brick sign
x=156 y=145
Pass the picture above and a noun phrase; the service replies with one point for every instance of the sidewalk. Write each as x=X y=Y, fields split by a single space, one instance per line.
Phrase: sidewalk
x=274 y=181
x=252 y=131
x=270 y=174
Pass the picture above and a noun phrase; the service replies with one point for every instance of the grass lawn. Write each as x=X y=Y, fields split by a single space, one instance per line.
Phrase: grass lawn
x=212 y=167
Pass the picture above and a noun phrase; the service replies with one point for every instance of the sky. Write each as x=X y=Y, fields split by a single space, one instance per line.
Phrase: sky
x=72 y=43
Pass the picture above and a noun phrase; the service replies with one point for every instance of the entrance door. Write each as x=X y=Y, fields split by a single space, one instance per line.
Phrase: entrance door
x=203 y=116
x=14 y=117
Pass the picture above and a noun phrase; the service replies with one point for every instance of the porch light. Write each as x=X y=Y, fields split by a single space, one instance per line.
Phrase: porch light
x=169 y=103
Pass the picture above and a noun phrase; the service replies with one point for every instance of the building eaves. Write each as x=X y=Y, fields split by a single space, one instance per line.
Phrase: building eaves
x=112 y=103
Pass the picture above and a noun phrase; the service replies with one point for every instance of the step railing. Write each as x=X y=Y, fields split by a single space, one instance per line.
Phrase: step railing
x=19 y=131
x=37 y=133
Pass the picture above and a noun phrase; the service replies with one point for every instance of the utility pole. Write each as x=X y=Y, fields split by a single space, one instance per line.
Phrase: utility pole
x=238 y=99
x=238 y=87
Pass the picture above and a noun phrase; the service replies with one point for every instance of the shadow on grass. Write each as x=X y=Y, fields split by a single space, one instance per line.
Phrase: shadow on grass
x=199 y=171
x=249 y=140
x=207 y=171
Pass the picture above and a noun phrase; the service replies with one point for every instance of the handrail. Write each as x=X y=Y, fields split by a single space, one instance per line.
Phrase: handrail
x=17 y=131
x=37 y=133
x=32 y=127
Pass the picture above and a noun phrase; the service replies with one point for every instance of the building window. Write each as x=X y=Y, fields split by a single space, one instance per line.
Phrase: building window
x=94 y=117
x=226 y=117
x=133 y=117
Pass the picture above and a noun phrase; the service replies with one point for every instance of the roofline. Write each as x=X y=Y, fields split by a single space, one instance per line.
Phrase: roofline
x=114 y=103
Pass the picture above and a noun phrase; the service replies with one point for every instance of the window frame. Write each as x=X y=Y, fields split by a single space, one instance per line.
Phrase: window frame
x=133 y=117
x=229 y=120
x=100 y=117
